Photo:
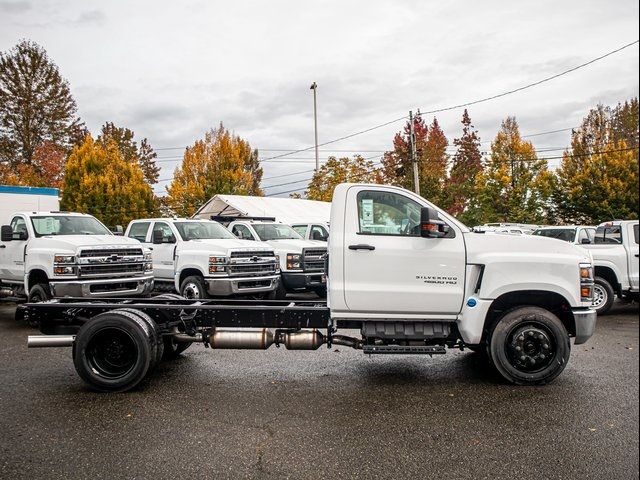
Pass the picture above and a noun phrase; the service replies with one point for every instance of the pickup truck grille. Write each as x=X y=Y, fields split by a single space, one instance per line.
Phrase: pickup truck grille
x=252 y=263
x=313 y=259
x=110 y=262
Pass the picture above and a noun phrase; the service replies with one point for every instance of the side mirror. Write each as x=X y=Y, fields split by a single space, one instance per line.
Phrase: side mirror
x=585 y=241
x=157 y=237
x=430 y=225
x=118 y=230
x=6 y=234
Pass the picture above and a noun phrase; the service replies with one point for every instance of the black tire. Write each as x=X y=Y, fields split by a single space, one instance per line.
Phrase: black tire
x=170 y=348
x=40 y=292
x=154 y=327
x=529 y=346
x=603 y=295
x=114 y=351
x=193 y=288
x=280 y=293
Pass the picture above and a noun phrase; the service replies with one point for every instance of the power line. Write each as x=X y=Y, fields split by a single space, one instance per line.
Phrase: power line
x=466 y=104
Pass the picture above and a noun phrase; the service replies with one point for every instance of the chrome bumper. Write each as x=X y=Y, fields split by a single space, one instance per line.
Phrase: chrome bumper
x=112 y=287
x=585 y=324
x=224 y=287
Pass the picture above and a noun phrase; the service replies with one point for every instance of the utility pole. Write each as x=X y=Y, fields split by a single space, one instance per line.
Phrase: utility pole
x=414 y=160
x=314 y=87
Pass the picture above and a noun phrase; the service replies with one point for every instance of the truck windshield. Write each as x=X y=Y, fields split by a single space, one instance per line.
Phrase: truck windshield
x=275 y=231
x=611 y=234
x=67 y=225
x=566 y=234
x=202 y=231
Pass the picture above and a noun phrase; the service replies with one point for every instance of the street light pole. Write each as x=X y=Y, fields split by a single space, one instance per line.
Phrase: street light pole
x=314 y=87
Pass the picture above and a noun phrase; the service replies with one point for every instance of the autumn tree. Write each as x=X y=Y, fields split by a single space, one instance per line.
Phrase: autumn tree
x=431 y=154
x=36 y=105
x=101 y=182
x=516 y=185
x=341 y=170
x=220 y=163
x=143 y=155
x=460 y=194
x=598 y=177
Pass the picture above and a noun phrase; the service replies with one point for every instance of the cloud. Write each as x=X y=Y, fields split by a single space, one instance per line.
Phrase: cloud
x=14 y=6
x=90 y=17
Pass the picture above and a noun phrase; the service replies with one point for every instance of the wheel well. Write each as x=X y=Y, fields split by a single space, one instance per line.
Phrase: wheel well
x=187 y=272
x=610 y=276
x=36 y=276
x=551 y=301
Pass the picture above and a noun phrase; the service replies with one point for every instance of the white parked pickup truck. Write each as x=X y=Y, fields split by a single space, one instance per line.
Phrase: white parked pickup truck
x=45 y=254
x=200 y=258
x=615 y=258
x=312 y=231
x=407 y=276
x=578 y=234
x=302 y=262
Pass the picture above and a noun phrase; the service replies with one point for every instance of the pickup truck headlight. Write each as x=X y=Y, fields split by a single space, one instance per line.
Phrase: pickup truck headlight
x=293 y=261
x=586 y=282
x=277 y=263
x=218 y=265
x=63 y=258
x=64 y=270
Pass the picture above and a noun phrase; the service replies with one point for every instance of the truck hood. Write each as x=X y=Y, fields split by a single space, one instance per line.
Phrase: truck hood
x=295 y=245
x=73 y=242
x=482 y=248
x=224 y=246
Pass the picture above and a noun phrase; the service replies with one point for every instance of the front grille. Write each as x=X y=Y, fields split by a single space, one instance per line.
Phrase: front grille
x=313 y=259
x=107 y=252
x=111 y=269
x=251 y=253
x=257 y=269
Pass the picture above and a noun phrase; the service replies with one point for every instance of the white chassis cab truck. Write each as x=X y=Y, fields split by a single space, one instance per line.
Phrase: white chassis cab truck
x=615 y=260
x=201 y=258
x=59 y=254
x=302 y=262
x=411 y=278
x=312 y=231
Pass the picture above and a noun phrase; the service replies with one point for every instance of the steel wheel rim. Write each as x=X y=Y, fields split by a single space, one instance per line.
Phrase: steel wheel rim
x=191 y=291
x=112 y=353
x=530 y=347
x=600 y=296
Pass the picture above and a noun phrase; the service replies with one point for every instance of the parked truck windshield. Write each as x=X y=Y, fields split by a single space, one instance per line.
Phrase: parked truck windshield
x=67 y=225
x=202 y=231
x=275 y=231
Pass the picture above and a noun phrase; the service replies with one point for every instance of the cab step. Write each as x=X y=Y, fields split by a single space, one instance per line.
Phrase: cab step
x=404 y=349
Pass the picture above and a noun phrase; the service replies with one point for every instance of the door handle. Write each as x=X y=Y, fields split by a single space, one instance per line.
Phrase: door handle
x=361 y=246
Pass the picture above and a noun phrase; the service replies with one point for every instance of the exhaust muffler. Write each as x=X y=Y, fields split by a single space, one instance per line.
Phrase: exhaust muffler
x=39 y=341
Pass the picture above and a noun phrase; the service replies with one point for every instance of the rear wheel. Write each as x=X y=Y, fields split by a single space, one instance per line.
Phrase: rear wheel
x=529 y=346
x=114 y=351
x=603 y=295
x=193 y=288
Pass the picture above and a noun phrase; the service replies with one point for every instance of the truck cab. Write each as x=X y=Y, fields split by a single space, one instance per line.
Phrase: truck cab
x=45 y=254
x=615 y=258
x=302 y=262
x=578 y=234
x=201 y=259
x=312 y=231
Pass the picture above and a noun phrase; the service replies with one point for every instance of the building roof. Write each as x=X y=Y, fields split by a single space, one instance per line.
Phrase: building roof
x=54 y=192
x=285 y=210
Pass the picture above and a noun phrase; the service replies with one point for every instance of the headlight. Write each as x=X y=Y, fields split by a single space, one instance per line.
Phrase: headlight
x=148 y=267
x=217 y=269
x=277 y=263
x=148 y=257
x=213 y=260
x=64 y=270
x=586 y=282
x=63 y=258
x=293 y=261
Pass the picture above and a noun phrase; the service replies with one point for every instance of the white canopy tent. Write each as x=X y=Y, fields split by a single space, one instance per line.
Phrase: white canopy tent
x=285 y=210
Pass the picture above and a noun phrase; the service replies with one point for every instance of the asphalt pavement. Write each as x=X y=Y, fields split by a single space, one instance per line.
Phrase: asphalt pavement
x=324 y=414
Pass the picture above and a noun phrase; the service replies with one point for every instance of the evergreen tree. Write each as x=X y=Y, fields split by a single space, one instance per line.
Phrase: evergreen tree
x=460 y=196
x=219 y=163
x=99 y=181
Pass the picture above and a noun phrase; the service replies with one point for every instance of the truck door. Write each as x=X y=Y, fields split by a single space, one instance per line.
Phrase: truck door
x=12 y=254
x=389 y=267
x=163 y=252
x=632 y=256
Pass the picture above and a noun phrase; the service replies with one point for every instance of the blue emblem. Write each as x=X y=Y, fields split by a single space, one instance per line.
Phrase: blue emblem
x=472 y=302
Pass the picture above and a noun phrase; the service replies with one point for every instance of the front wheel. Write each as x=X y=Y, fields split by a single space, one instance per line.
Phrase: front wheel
x=193 y=288
x=529 y=346
x=603 y=295
x=40 y=292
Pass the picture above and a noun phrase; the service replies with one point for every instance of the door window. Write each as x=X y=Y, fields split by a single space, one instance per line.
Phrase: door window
x=165 y=232
x=242 y=231
x=318 y=232
x=635 y=233
x=139 y=231
x=19 y=228
x=301 y=229
x=388 y=213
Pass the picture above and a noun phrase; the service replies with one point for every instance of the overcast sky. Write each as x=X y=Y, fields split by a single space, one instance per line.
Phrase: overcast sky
x=171 y=70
